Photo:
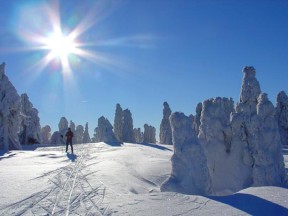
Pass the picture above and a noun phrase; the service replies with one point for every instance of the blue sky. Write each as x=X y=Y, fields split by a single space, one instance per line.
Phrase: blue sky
x=143 y=53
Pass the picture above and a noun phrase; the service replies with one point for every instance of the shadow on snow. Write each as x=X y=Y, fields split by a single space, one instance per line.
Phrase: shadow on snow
x=6 y=155
x=155 y=146
x=252 y=204
x=71 y=157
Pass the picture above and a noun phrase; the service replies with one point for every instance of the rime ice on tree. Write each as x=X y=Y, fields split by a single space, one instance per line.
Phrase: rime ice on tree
x=138 y=135
x=255 y=127
x=282 y=117
x=215 y=136
x=9 y=113
x=165 y=128
x=57 y=138
x=63 y=126
x=196 y=122
x=79 y=134
x=104 y=131
x=242 y=147
x=118 y=122
x=149 y=134
x=127 y=128
x=45 y=134
x=189 y=167
x=86 y=136
x=30 y=122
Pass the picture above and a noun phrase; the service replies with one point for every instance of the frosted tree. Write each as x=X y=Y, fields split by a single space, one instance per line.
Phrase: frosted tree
x=241 y=147
x=118 y=122
x=45 y=134
x=149 y=134
x=127 y=128
x=57 y=138
x=138 y=135
x=86 y=136
x=196 y=122
x=165 y=128
x=282 y=117
x=255 y=128
x=189 y=167
x=10 y=106
x=215 y=136
x=63 y=126
x=79 y=134
x=269 y=168
x=104 y=131
x=30 y=122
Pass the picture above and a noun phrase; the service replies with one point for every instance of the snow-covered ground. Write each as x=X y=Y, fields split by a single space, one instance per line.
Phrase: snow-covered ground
x=114 y=180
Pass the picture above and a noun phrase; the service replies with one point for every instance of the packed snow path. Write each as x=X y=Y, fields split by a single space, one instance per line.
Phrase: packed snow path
x=69 y=194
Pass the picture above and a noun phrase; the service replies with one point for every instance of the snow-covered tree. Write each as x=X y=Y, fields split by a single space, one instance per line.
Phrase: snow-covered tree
x=10 y=106
x=282 y=117
x=86 y=136
x=149 y=134
x=30 y=122
x=215 y=136
x=127 y=128
x=138 y=135
x=242 y=148
x=57 y=138
x=189 y=167
x=196 y=122
x=104 y=131
x=255 y=125
x=79 y=134
x=118 y=123
x=165 y=128
x=45 y=134
x=63 y=126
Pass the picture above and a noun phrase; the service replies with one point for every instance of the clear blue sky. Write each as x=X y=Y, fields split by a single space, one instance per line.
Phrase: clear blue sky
x=144 y=52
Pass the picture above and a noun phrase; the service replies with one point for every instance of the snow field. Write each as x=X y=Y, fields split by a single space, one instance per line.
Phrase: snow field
x=106 y=180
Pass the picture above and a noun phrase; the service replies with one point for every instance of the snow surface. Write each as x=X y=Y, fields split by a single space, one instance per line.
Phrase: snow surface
x=114 y=180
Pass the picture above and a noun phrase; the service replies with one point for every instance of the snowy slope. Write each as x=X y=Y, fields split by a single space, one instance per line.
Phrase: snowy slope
x=109 y=180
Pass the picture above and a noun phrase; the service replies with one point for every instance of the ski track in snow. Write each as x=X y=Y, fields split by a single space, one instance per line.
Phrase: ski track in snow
x=69 y=193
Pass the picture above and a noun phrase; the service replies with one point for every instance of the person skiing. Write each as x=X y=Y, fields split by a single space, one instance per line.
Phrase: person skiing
x=69 y=136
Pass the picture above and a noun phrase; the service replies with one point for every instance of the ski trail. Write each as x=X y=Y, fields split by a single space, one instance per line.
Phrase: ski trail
x=63 y=189
x=72 y=188
x=70 y=192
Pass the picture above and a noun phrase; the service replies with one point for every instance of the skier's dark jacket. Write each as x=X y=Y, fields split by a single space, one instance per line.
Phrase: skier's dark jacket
x=69 y=135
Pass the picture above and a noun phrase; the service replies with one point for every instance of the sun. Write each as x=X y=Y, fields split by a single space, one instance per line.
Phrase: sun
x=60 y=46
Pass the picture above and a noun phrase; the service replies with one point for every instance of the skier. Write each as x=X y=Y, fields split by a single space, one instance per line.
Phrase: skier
x=69 y=136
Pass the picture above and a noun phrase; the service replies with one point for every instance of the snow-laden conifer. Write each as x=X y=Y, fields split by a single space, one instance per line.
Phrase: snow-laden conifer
x=149 y=135
x=30 y=122
x=118 y=123
x=10 y=106
x=127 y=127
x=104 y=131
x=86 y=136
x=45 y=134
x=282 y=117
x=79 y=134
x=165 y=128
